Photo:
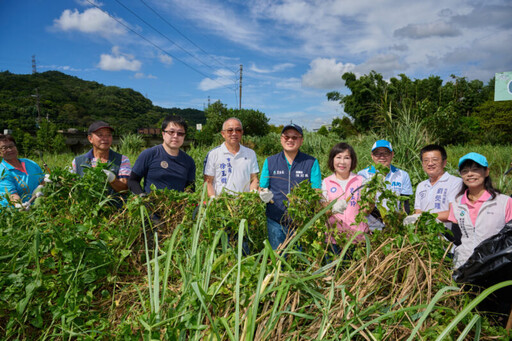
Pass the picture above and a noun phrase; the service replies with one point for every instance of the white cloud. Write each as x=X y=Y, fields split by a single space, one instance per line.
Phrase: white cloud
x=140 y=75
x=92 y=20
x=432 y=29
x=386 y=64
x=218 y=18
x=275 y=68
x=165 y=59
x=224 y=78
x=325 y=73
x=61 y=67
x=118 y=61
x=289 y=83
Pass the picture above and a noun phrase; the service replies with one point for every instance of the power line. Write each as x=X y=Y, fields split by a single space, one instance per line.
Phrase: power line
x=163 y=35
x=155 y=45
x=184 y=36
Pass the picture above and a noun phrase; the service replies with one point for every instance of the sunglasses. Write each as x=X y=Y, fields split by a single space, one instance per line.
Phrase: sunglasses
x=172 y=132
x=293 y=138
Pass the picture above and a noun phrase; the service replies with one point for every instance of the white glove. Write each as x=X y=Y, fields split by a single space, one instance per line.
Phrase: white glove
x=38 y=192
x=22 y=207
x=266 y=195
x=411 y=219
x=110 y=176
x=47 y=178
x=339 y=206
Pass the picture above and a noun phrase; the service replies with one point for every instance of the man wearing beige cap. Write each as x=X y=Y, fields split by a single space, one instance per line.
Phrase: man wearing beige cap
x=99 y=135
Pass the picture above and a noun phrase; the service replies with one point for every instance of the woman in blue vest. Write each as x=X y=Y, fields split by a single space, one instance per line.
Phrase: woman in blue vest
x=280 y=173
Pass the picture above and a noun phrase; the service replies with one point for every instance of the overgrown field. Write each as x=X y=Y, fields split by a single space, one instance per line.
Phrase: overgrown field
x=79 y=265
x=406 y=148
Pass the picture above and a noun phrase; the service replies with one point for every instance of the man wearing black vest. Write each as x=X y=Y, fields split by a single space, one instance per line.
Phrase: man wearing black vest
x=280 y=173
x=99 y=135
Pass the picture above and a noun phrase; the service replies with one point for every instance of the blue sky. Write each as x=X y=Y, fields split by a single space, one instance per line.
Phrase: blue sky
x=178 y=53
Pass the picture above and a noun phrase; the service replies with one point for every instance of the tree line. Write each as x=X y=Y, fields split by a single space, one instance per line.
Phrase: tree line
x=457 y=111
x=70 y=102
x=26 y=101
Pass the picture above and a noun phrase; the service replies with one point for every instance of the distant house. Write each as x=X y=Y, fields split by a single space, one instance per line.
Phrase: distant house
x=149 y=131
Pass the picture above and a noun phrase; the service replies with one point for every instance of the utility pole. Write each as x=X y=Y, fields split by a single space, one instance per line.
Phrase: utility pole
x=34 y=69
x=240 y=104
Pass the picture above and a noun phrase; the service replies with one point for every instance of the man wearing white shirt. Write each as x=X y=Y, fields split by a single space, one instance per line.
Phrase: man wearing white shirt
x=231 y=166
x=435 y=194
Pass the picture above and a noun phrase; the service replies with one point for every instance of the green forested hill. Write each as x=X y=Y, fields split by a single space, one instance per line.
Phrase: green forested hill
x=71 y=102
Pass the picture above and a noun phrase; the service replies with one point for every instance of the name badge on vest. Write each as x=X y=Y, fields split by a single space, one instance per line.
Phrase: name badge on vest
x=164 y=164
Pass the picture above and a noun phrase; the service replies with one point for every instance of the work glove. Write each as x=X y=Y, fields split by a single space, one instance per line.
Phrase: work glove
x=38 y=192
x=266 y=195
x=339 y=206
x=110 y=176
x=411 y=219
x=47 y=178
x=22 y=207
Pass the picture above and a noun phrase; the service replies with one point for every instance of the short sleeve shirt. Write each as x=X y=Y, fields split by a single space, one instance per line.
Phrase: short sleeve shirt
x=159 y=168
x=124 y=170
x=229 y=171
x=15 y=181
x=399 y=180
x=437 y=198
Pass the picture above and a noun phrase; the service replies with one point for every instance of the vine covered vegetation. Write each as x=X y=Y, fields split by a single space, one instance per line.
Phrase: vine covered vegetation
x=80 y=265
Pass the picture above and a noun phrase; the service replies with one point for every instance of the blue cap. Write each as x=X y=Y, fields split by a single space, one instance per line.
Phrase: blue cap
x=292 y=126
x=480 y=159
x=382 y=144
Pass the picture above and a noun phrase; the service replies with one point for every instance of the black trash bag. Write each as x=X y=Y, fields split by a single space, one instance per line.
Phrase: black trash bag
x=490 y=263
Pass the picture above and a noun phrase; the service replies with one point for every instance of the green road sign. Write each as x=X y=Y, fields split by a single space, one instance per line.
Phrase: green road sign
x=503 y=86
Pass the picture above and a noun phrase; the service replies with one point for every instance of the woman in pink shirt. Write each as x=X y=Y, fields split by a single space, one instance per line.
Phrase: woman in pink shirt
x=479 y=209
x=344 y=186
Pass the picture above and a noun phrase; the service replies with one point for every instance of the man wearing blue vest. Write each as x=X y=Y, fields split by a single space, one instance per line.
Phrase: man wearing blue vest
x=99 y=135
x=282 y=172
x=399 y=180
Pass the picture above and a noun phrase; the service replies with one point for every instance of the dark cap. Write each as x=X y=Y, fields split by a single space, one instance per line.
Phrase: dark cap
x=292 y=126
x=97 y=125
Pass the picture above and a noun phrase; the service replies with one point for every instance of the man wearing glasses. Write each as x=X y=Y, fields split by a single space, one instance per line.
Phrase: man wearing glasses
x=231 y=166
x=399 y=180
x=165 y=165
x=18 y=177
x=99 y=135
x=435 y=194
x=282 y=172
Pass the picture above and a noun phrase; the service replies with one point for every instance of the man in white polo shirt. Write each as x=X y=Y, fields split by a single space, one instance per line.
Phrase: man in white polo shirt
x=435 y=194
x=399 y=180
x=231 y=166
